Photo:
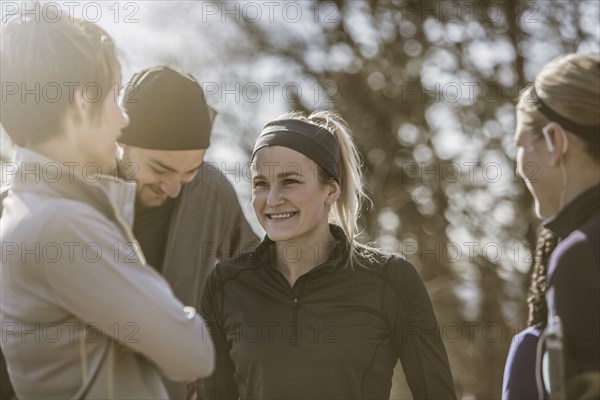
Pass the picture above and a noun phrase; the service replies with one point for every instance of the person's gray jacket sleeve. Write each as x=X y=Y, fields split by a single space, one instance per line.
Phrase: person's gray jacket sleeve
x=107 y=285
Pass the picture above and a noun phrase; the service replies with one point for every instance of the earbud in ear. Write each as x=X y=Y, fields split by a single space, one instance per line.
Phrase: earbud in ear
x=549 y=143
x=566 y=139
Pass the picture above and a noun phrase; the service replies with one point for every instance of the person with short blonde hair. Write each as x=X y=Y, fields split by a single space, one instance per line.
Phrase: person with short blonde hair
x=38 y=95
x=558 y=156
x=82 y=314
x=312 y=313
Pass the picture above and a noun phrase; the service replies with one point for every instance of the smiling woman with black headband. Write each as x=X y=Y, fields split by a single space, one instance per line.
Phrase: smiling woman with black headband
x=312 y=314
x=557 y=140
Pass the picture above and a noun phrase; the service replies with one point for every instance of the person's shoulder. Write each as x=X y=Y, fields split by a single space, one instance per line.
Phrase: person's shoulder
x=76 y=213
x=49 y=212
x=210 y=173
x=523 y=346
x=374 y=258
x=578 y=244
x=529 y=335
x=580 y=249
x=519 y=368
x=591 y=227
x=244 y=262
x=390 y=265
x=210 y=181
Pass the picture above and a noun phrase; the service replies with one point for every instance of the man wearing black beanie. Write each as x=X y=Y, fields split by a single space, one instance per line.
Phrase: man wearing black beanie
x=187 y=214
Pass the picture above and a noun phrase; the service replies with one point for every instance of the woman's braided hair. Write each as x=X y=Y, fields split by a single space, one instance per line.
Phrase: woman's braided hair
x=536 y=296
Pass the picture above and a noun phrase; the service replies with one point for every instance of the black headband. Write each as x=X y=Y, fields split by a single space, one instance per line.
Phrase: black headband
x=589 y=133
x=314 y=141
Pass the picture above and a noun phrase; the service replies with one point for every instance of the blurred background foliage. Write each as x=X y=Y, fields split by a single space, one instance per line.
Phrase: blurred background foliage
x=428 y=89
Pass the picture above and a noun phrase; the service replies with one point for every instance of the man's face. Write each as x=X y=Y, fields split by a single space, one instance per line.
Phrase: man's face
x=159 y=173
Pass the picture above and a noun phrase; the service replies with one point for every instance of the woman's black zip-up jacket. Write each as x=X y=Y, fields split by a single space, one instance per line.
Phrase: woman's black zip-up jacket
x=336 y=334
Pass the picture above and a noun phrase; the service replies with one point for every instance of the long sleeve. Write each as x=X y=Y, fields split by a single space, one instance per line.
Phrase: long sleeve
x=221 y=384
x=416 y=336
x=519 y=371
x=574 y=294
x=103 y=283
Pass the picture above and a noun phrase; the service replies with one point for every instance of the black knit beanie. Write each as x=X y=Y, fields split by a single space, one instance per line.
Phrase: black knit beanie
x=167 y=111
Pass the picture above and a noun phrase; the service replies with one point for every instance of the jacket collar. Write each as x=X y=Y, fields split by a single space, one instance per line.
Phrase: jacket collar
x=40 y=174
x=338 y=257
x=575 y=213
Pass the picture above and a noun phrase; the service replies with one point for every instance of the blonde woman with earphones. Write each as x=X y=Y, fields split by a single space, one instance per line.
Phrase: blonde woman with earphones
x=557 y=140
